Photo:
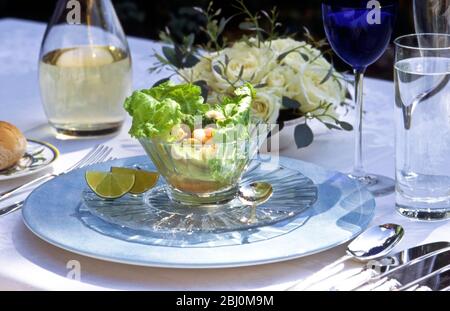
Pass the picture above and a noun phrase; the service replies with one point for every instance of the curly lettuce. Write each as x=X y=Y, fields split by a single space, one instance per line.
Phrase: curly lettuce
x=152 y=117
x=236 y=110
x=158 y=110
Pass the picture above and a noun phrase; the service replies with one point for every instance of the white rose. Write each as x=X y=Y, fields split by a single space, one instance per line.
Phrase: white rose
x=277 y=78
x=283 y=45
x=266 y=105
x=256 y=63
x=292 y=59
x=201 y=71
x=310 y=92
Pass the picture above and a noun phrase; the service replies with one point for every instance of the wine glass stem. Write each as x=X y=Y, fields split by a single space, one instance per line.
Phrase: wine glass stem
x=358 y=169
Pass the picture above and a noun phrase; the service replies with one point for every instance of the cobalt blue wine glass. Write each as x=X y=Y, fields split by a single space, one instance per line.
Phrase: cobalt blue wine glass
x=359 y=32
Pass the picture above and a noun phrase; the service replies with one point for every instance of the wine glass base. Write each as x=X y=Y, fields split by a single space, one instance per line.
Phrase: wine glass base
x=377 y=185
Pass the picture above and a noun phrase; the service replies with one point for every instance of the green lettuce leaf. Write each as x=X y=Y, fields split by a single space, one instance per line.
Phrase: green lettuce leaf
x=155 y=111
x=152 y=117
x=237 y=109
x=189 y=96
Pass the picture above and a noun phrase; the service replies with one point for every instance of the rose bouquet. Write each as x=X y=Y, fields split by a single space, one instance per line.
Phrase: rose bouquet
x=293 y=79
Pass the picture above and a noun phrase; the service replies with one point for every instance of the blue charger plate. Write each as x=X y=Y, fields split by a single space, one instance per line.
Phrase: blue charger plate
x=56 y=213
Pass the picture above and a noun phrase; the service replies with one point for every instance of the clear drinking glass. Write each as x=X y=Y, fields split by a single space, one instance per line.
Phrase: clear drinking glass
x=432 y=16
x=422 y=113
x=84 y=68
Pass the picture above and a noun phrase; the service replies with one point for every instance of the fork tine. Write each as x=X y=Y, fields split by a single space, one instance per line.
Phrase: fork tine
x=83 y=159
x=103 y=157
x=93 y=156
x=100 y=157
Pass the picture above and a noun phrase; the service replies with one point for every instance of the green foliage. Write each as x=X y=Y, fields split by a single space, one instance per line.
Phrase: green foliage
x=263 y=26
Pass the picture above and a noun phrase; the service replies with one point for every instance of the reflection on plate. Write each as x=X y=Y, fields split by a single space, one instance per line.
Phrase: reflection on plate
x=38 y=156
x=343 y=210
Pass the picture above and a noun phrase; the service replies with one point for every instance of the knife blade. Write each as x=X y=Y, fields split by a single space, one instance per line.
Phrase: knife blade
x=390 y=262
x=375 y=268
x=425 y=271
x=436 y=281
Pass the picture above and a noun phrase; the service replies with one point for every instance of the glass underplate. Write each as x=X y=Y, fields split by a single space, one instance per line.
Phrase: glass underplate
x=309 y=212
x=156 y=217
x=38 y=156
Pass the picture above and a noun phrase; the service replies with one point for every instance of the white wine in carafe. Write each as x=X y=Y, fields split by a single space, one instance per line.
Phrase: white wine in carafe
x=83 y=88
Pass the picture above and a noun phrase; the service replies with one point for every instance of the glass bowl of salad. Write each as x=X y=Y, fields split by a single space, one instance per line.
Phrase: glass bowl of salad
x=201 y=150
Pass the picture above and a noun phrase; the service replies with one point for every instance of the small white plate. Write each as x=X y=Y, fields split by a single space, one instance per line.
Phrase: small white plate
x=39 y=155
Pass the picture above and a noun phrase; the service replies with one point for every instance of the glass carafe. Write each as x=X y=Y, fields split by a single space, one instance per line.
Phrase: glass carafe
x=84 y=68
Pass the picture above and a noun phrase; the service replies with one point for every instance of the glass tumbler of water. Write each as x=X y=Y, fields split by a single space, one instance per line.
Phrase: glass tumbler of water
x=432 y=16
x=422 y=113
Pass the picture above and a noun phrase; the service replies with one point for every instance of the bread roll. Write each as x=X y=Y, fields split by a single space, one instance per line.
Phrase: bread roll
x=12 y=145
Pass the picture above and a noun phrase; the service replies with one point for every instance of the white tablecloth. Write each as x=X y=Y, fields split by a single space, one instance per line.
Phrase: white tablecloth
x=26 y=262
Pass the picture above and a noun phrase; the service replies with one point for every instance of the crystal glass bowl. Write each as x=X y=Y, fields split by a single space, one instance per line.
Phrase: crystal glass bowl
x=201 y=174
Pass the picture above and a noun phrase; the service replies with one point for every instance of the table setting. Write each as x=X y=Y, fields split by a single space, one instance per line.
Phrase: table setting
x=253 y=164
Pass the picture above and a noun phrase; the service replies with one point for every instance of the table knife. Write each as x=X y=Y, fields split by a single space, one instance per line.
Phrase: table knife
x=375 y=268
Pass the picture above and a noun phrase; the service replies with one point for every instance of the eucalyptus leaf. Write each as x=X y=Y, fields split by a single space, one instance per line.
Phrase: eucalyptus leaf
x=331 y=126
x=303 y=135
x=346 y=126
x=170 y=55
x=217 y=69
x=284 y=54
x=190 y=61
x=161 y=59
x=246 y=25
x=260 y=85
x=205 y=88
x=159 y=82
x=304 y=56
x=222 y=24
x=328 y=76
x=198 y=9
x=290 y=103
x=227 y=60
x=241 y=73
x=251 y=27
x=264 y=12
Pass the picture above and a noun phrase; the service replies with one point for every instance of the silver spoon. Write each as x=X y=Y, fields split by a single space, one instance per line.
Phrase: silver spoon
x=375 y=242
x=254 y=194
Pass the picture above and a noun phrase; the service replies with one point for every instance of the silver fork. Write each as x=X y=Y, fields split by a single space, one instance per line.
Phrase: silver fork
x=96 y=155
x=98 y=152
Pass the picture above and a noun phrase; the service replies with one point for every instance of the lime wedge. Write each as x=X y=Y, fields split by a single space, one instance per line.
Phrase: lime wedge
x=144 y=180
x=109 y=185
